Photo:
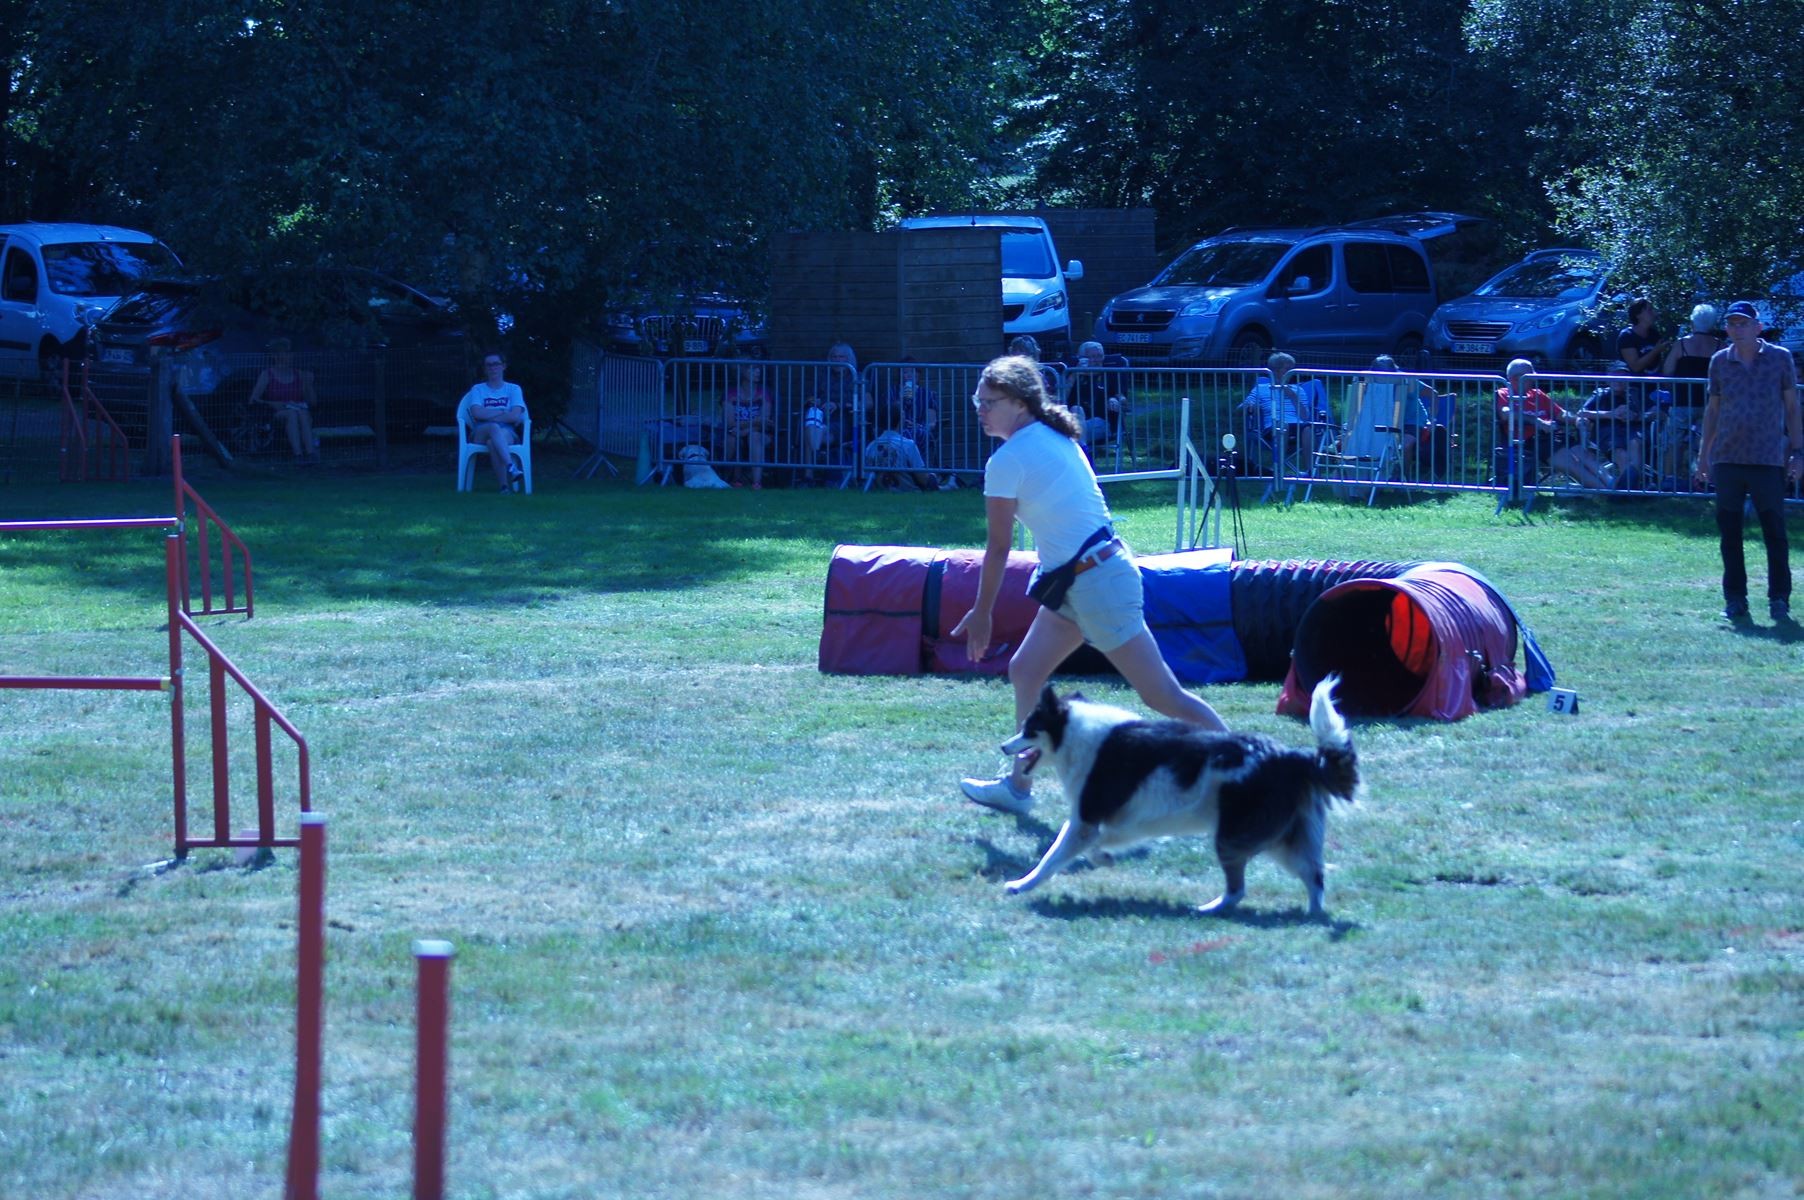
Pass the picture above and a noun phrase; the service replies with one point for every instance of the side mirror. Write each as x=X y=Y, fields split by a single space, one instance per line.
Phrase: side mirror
x=1074 y=269
x=1299 y=285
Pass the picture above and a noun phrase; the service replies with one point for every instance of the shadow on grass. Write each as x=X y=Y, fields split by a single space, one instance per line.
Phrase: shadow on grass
x=415 y=540
x=1071 y=908
x=1786 y=633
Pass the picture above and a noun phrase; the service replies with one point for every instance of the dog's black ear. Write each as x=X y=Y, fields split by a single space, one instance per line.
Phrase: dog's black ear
x=1076 y=696
x=1048 y=698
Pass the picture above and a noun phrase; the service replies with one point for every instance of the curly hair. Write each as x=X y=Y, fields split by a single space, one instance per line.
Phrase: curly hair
x=1019 y=378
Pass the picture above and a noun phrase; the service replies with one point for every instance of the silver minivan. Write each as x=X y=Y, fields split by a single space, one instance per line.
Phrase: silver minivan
x=1237 y=296
x=56 y=279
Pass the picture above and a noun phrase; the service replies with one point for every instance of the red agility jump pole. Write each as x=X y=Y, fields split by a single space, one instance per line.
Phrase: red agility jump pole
x=432 y=1058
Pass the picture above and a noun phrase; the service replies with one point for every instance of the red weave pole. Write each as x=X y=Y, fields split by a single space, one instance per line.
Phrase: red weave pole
x=178 y=750
x=309 y=1012
x=433 y=1061
x=206 y=568
x=95 y=683
x=73 y=426
x=266 y=785
x=222 y=774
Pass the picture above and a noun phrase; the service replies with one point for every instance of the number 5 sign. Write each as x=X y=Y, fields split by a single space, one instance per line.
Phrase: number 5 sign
x=1561 y=700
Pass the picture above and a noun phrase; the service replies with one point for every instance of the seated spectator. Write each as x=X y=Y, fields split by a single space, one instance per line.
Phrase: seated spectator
x=896 y=455
x=1640 y=349
x=833 y=424
x=1095 y=398
x=918 y=404
x=748 y=420
x=1550 y=434
x=1416 y=430
x=1688 y=360
x=495 y=410
x=1272 y=412
x=1619 y=415
x=1024 y=345
x=290 y=393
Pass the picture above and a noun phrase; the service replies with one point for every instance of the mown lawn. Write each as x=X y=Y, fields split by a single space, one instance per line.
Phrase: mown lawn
x=724 y=928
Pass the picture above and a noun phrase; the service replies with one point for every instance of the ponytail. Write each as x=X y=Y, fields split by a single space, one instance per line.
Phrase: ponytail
x=1019 y=377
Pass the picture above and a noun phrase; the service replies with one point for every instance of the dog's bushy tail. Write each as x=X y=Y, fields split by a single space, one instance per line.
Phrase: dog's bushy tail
x=1337 y=764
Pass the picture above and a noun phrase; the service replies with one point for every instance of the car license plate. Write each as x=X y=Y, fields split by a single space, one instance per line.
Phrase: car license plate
x=695 y=345
x=1475 y=347
x=116 y=355
x=1136 y=339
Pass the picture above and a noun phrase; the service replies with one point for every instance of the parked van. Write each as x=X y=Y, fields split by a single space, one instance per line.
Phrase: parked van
x=1035 y=299
x=1236 y=296
x=56 y=279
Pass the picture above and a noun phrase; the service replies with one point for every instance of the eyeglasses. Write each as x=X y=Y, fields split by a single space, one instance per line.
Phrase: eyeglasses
x=494 y=362
x=1738 y=319
x=983 y=404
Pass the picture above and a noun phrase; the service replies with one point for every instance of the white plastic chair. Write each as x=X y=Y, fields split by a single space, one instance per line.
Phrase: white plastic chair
x=468 y=452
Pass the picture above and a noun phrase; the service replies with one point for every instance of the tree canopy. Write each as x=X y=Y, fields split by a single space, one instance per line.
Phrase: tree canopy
x=564 y=155
x=1666 y=133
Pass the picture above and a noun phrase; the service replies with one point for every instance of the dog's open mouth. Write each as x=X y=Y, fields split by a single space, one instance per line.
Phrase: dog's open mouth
x=1029 y=760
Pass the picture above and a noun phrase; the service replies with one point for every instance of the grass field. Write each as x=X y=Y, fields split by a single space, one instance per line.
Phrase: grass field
x=723 y=928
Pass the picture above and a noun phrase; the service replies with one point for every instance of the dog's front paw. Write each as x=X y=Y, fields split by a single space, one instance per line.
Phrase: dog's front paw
x=1223 y=903
x=1100 y=858
x=1026 y=883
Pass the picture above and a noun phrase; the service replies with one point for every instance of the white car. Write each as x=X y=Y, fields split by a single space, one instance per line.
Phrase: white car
x=1034 y=296
x=57 y=279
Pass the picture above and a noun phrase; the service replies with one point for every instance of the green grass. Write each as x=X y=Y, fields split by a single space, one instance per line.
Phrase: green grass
x=723 y=928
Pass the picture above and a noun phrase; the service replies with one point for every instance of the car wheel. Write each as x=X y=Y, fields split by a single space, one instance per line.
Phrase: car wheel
x=1251 y=347
x=1407 y=351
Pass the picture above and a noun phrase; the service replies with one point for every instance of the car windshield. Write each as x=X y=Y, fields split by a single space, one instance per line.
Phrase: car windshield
x=1547 y=279
x=1024 y=256
x=104 y=268
x=1223 y=264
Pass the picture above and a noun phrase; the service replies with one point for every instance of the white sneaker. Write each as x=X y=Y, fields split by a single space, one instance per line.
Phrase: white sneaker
x=998 y=794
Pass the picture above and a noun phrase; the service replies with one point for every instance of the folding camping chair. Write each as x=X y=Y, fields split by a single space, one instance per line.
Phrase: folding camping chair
x=1370 y=447
x=1285 y=424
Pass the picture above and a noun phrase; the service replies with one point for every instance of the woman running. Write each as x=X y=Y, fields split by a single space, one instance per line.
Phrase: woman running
x=1040 y=475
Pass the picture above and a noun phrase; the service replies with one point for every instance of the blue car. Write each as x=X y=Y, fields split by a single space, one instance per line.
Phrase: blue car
x=1549 y=308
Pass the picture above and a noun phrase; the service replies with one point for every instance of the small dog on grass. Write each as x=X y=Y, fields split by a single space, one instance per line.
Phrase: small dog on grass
x=1131 y=780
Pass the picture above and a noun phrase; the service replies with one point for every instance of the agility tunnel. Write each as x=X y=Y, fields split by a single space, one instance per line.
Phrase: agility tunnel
x=1407 y=639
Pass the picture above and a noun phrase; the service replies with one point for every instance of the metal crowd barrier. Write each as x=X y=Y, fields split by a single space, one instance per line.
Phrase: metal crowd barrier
x=1454 y=437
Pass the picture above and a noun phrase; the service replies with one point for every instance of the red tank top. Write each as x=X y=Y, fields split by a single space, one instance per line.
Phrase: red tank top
x=280 y=393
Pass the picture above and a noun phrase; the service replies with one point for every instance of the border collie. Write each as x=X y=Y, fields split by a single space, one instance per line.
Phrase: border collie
x=1131 y=780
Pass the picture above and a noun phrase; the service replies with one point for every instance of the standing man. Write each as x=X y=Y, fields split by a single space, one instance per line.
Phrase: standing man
x=1752 y=445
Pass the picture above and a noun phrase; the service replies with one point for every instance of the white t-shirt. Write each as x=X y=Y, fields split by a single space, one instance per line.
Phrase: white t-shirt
x=485 y=403
x=1053 y=487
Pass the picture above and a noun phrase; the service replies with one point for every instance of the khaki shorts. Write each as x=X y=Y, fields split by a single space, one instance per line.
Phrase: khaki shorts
x=1107 y=604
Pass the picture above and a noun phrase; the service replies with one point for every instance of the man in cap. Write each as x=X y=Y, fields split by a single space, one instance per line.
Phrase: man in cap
x=1752 y=446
